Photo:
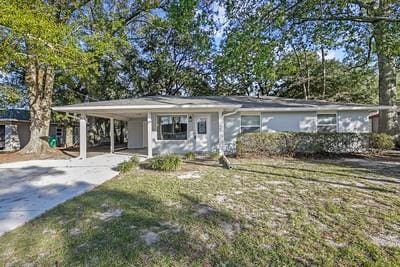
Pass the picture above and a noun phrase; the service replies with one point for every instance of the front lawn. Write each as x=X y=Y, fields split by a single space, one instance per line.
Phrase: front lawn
x=279 y=212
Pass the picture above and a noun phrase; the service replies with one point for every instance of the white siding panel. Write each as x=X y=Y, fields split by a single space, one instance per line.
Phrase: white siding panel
x=353 y=122
x=289 y=122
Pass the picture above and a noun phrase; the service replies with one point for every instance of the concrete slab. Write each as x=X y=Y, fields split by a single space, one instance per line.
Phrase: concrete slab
x=29 y=188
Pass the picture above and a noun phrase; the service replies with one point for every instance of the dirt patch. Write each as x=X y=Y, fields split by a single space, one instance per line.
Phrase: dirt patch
x=189 y=175
x=386 y=241
x=110 y=214
x=203 y=210
x=230 y=229
x=150 y=238
x=8 y=157
x=74 y=232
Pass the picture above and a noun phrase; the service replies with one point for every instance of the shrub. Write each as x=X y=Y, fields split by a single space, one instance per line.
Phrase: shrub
x=165 y=162
x=128 y=165
x=290 y=144
x=380 y=141
x=189 y=156
x=213 y=155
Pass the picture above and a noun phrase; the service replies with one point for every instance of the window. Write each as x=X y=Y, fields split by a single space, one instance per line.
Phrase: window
x=250 y=123
x=202 y=126
x=172 y=127
x=326 y=123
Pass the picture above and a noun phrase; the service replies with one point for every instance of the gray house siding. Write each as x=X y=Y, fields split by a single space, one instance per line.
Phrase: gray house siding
x=353 y=122
x=135 y=133
x=231 y=131
x=347 y=121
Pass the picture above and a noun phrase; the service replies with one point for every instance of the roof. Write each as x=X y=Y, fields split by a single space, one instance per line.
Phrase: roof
x=264 y=103
x=15 y=115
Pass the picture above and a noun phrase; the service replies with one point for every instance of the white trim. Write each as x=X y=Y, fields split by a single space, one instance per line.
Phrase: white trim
x=328 y=108
x=177 y=114
x=141 y=107
x=149 y=136
x=239 y=107
x=82 y=137
x=112 y=145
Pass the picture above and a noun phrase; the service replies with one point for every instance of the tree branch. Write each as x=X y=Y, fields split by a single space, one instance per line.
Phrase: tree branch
x=361 y=19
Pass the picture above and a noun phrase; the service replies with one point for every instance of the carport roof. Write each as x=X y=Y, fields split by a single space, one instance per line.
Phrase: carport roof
x=264 y=103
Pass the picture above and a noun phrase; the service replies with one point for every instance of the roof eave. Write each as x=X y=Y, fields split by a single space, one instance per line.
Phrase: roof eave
x=141 y=107
x=343 y=108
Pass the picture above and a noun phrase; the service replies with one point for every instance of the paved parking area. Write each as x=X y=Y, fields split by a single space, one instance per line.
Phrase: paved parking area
x=29 y=188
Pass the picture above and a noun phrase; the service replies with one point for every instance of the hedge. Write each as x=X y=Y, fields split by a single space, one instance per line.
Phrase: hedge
x=293 y=143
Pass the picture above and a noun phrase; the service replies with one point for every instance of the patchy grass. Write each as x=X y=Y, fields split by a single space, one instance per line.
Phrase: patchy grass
x=279 y=212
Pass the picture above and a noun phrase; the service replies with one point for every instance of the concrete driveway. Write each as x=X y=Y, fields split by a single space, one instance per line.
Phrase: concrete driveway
x=29 y=188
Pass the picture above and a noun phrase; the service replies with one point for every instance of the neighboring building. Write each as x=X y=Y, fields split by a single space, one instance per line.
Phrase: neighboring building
x=374 y=121
x=15 y=130
x=170 y=124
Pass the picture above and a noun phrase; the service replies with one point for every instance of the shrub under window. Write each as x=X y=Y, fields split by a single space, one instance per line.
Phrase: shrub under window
x=172 y=127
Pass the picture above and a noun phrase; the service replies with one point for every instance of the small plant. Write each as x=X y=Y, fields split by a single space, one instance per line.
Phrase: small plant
x=381 y=142
x=128 y=165
x=165 y=163
x=189 y=156
x=213 y=155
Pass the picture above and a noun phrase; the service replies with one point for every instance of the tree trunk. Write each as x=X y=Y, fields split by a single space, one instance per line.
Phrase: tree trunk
x=387 y=81
x=323 y=72
x=39 y=81
x=69 y=136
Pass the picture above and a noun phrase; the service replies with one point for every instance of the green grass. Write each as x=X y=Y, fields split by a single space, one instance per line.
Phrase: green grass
x=264 y=212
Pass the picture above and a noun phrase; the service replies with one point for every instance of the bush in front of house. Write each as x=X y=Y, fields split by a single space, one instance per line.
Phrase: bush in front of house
x=293 y=143
x=189 y=156
x=168 y=162
x=380 y=142
x=128 y=165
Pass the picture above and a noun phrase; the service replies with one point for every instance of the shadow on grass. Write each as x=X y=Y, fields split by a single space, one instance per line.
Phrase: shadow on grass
x=341 y=164
x=89 y=239
x=372 y=188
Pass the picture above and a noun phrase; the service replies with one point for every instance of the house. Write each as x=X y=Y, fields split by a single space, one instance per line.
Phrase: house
x=15 y=130
x=172 y=124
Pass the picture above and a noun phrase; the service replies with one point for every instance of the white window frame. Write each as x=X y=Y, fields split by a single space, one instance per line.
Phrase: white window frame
x=329 y=113
x=251 y=114
x=177 y=114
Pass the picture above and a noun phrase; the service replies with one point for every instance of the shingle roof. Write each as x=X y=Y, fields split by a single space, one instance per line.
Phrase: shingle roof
x=243 y=102
x=15 y=114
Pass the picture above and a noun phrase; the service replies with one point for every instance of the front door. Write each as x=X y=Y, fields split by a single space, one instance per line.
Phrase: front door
x=202 y=133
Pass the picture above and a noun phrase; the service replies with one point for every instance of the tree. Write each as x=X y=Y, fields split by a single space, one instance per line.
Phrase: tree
x=368 y=30
x=35 y=38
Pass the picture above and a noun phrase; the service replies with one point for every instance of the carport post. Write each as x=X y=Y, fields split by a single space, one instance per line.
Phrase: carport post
x=82 y=136
x=149 y=137
x=112 y=139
